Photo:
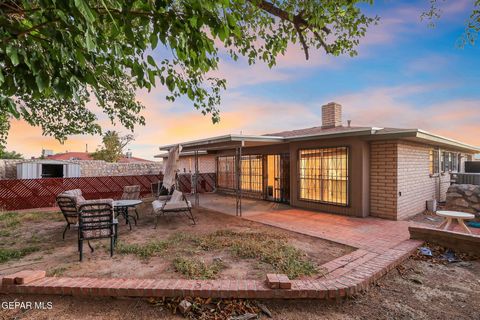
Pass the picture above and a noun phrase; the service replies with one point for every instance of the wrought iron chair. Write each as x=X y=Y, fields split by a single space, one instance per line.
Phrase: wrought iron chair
x=68 y=203
x=131 y=193
x=96 y=221
x=177 y=202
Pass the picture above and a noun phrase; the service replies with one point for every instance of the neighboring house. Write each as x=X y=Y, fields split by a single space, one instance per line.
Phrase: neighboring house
x=357 y=171
x=88 y=156
x=186 y=163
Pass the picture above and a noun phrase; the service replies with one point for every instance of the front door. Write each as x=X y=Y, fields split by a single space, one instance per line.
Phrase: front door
x=278 y=178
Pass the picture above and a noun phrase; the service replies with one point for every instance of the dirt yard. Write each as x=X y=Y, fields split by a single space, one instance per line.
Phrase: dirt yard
x=218 y=247
x=416 y=290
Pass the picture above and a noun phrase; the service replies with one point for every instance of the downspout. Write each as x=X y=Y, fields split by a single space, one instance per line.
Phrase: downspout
x=439 y=184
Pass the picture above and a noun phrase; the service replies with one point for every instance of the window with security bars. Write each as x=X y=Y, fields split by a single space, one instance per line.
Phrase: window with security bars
x=324 y=175
x=226 y=172
x=251 y=176
x=252 y=173
x=433 y=160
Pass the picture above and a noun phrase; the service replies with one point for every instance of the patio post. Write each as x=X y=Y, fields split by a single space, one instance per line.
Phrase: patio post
x=237 y=182
x=195 y=180
x=239 y=175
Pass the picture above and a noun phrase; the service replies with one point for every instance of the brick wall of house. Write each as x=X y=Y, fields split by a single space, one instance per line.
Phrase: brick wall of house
x=415 y=185
x=383 y=179
x=400 y=180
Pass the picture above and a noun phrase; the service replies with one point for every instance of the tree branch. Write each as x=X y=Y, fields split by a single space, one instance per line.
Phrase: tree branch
x=297 y=20
x=29 y=30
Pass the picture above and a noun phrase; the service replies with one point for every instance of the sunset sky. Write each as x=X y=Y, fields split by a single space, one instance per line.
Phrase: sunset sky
x=407 y=74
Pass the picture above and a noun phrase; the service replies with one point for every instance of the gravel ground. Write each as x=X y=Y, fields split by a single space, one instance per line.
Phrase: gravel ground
x=415 y=290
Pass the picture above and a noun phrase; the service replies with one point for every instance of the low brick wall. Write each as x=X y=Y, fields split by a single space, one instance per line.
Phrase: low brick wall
x=346 y=276
x=463 y=242
x=464 y=197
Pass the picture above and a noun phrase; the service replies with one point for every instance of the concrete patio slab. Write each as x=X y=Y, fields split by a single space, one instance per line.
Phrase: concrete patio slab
x=372 y=234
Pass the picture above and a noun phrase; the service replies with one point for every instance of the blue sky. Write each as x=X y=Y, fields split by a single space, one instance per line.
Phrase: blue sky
x=407 y=74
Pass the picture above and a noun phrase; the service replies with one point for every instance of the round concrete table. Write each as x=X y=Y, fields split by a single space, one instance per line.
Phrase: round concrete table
x=450 y=215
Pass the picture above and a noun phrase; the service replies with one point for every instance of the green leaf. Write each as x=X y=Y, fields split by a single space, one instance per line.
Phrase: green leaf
x=151 y=61
x=193 y=21
x=2 y=79
x=153 y=40
x=13 y=55
x=80 y=57
x=85 y=10
x=42 y=81
x=89 y=42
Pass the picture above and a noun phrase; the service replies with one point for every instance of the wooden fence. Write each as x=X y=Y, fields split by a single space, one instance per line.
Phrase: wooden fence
x=18 y=194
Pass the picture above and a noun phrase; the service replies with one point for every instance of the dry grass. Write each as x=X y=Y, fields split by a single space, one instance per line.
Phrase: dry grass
x=11 y=254
x=143 y=251
x=196 y=269
x=9 y=225
x=270 y=248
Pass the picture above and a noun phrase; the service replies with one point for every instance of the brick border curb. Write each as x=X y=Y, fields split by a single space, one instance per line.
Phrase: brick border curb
x=346 y=276
x=451 y=239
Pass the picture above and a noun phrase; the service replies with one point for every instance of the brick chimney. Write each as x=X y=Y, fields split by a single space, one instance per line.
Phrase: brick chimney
x=331 y=115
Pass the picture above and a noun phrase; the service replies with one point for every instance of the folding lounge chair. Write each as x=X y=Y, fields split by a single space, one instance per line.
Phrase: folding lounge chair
x=177 y=202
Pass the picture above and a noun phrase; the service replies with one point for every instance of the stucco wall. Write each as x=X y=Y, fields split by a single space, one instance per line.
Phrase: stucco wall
x=359 y=154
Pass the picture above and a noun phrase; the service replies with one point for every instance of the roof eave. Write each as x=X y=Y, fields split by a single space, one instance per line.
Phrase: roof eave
x=204 y=143
x=421 y=134
x=329 y=135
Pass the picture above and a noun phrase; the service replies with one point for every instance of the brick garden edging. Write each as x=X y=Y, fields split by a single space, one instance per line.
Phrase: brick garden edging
x=346 y=276
x=451 y=239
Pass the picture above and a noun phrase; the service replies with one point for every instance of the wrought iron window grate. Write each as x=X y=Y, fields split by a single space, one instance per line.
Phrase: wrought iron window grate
x=323 y=175
x=251 y=175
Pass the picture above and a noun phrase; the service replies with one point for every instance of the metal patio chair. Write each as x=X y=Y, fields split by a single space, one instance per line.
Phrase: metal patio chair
x=131 y=193
x=96 y=221
x=177 y=202
x=68 y=202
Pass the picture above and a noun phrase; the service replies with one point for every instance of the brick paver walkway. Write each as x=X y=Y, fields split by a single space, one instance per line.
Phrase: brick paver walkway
x=371 y=234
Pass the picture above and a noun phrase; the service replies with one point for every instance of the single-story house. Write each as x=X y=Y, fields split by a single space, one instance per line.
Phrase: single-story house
x=356 y=171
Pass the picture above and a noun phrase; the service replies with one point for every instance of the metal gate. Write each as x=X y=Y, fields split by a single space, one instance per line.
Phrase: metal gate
x=278 y=178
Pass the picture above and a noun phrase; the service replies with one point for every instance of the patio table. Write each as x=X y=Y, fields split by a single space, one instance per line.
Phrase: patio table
x=121 y=208
x=450 y=215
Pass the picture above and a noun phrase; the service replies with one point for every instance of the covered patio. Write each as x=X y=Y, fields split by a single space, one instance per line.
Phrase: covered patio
x=237 y=180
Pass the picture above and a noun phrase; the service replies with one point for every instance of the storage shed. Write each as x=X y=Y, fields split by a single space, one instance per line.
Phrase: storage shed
x=47 y=169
